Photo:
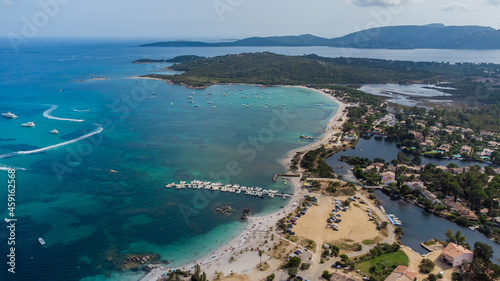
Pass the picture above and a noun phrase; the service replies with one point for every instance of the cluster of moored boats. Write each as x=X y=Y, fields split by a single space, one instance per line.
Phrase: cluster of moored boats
x=29 y=124
x=395 y=219
x=234 y=188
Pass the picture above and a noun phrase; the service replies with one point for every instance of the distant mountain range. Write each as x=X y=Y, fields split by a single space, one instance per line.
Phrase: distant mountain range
x=432 y=36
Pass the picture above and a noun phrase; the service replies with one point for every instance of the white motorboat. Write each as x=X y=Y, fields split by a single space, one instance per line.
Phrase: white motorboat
x=9 y=115
x=54 y=131
x=41 y=241
x=29 y=124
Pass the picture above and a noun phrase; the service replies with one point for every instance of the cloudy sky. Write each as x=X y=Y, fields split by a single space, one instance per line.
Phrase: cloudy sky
x=227 y=19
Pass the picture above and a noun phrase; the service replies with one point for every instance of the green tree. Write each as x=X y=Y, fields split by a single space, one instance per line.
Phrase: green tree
x=402 y=158
x=483 y=251
x=398 y=231
x=293 y=262
x=478 y=269
x=344 y=258
x=335 y=250
x=326 y=275
x=305 y=266
x=260 y=257
x=292 y=271
x=426 y=266
x=197 y=276
x=457 y=238
x=417 y=161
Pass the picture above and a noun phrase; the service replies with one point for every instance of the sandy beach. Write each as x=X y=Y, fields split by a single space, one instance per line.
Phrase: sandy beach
x=334 y=122
x=236 y=256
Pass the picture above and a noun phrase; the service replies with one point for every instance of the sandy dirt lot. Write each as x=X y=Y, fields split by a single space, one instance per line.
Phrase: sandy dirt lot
x=354 y=225
x=415 y=259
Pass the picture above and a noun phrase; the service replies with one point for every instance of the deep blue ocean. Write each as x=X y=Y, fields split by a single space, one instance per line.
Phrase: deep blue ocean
x=99 y=193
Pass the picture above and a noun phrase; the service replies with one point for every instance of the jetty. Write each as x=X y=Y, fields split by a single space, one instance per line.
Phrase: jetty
x=232 y=188
x=286 y=175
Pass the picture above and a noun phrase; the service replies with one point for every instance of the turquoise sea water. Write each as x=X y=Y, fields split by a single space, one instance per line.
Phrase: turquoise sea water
x=91 y=217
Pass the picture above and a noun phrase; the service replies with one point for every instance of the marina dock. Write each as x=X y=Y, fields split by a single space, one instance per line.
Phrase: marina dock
x=236 y=188
x=286 y=175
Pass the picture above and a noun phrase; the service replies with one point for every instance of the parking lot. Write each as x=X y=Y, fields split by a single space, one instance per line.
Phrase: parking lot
x=319 y=222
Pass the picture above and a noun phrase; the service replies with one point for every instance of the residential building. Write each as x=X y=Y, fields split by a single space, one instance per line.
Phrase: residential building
x=486 y=152
x=402 y=273
x=418 y=136
x=493 y=144
x=435 y=129
x=455 y=255
x=427 y=143
x=466 y=149
x=445 y=148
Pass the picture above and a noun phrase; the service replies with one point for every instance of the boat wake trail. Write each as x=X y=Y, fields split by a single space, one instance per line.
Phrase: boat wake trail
x=47 y=112
x=12 y=154
x=4 y=168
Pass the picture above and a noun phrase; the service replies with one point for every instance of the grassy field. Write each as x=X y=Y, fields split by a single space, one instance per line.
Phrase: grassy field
x=396 y=258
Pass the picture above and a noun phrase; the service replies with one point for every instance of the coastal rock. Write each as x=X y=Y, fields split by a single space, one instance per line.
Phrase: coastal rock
x=136 y=261
x=224 y=210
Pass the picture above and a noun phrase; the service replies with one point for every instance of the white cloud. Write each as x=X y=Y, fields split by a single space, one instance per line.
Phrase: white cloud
x=468 y=5
x=369 y=3
x=458 y=7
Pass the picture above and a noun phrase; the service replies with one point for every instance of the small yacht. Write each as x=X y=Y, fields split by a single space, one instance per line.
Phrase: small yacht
x=196 y=106
x=41 y=241
x=29 y=124
x=213 y=106
x=9 y=115
x=54 y=131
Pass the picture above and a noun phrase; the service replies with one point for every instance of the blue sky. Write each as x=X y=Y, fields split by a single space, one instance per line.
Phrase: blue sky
x=230 y=19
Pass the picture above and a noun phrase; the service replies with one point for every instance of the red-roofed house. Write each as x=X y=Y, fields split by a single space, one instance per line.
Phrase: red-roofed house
x=455 y=255
x=402 y=273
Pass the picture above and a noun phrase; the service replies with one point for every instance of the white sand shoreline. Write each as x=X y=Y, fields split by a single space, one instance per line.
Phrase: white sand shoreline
x=220 y=258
